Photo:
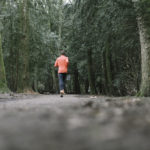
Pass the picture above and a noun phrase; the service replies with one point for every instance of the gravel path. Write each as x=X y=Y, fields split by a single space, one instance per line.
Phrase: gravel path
x=48 y=122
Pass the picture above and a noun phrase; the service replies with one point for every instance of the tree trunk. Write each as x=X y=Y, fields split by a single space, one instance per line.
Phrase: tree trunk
x=23 y=83
x=76 y=81
x=3 y=83
x=55 y=82
x=108 y=69
x=86 y=86
x=54 y=86
x=91 y=76
x=105 y=83
x=35 y=80
x=145 y=57
x=60 y=24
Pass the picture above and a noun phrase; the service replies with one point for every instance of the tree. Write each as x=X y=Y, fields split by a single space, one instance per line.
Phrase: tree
x=24 y=78
x=142 y=8
x=100 y=37
x=3 y=83
x=103 y=35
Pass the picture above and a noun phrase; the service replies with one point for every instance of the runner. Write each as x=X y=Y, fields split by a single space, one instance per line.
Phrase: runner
x=62 y=64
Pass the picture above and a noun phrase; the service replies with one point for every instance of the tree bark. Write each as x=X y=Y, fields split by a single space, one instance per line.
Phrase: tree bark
x=91 y=76
x=76 y=81
x=55 y=81
x=86 y=86
x=54 y=86
x=3 y=83
x=60 y=24
x=24 y=83
x=145 y=57
x=108 y=69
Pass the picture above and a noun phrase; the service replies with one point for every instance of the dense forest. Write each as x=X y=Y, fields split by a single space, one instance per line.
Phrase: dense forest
x=107 y=42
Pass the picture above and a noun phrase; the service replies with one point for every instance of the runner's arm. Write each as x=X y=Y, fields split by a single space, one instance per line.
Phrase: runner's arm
x=56 y=63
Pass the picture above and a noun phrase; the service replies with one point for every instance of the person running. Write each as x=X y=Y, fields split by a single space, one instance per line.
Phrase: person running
x=62 y=64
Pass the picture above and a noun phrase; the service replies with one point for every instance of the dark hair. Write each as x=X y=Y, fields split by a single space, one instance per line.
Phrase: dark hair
x=62 y=52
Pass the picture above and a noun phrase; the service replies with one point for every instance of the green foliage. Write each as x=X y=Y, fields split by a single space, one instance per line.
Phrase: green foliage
x=93 y=24
x=108 y=29
x=42 y=40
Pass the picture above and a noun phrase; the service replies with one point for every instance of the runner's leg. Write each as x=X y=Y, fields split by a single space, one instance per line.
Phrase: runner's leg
x=61 y=84
x=64 y=79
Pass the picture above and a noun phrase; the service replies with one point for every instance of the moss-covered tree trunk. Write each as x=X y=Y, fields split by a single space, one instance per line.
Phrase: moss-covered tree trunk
x=55 y=86
x=3 y=83
x=11 y=74
x=91 y=76
x=23 y=82
x=145 y=57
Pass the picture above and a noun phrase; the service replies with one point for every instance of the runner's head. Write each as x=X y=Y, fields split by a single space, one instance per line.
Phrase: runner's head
x=62 y=52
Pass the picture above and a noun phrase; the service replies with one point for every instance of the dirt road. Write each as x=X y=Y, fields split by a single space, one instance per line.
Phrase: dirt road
x=48 y=122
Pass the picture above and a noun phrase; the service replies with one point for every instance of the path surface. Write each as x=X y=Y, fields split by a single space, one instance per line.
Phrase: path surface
x=48 y=122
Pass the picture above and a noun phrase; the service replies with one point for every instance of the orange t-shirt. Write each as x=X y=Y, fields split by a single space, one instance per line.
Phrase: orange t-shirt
x=62 y=64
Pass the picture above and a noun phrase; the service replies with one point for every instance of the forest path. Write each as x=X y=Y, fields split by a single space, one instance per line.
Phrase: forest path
x=74 y=122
